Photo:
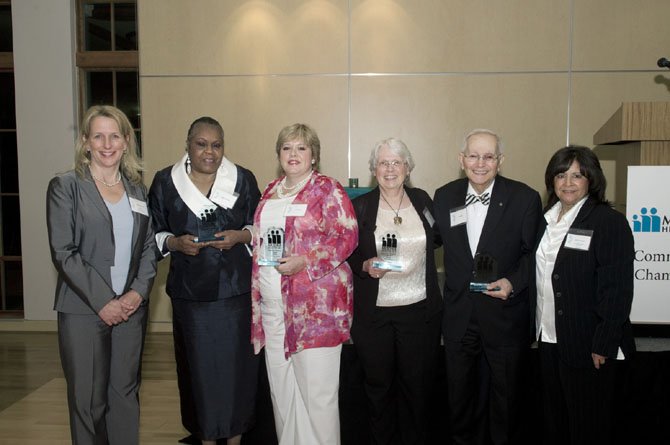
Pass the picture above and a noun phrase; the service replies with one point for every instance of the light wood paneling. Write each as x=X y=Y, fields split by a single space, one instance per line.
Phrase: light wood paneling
x=620 y=34
x=242 y=37
x=251 y=110
x=596 y=96
x=434 y=113
x=459 y=35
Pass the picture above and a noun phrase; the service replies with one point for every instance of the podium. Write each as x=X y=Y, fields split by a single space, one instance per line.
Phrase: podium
x=638 y=133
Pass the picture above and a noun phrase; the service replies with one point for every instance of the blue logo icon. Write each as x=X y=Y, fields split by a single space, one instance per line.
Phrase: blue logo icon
x=647 y=221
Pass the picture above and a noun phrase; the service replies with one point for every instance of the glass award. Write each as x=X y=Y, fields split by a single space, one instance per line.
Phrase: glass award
x=208 y=225
x=272 y=248
x=486 y=271
x=390 y=254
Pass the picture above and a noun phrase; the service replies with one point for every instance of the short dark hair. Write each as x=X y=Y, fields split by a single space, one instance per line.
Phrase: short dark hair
x=204 y=120
x=589 y=166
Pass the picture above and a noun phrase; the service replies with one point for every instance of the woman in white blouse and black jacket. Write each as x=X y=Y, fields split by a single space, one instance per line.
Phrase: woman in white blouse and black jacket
x=397 y=314
x=584 y=283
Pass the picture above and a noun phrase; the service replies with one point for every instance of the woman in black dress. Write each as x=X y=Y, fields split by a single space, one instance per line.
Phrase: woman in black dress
x=201 y=207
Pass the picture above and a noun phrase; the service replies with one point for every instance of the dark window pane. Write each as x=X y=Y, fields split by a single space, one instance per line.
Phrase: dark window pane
x=9 y=176
x=11 y=225
x=7 y=108
x=99 y=88
x=13 y=285
x=97 y=27
x=125 y=27
x=127 y=95
x=6 y=41
x=138 y=135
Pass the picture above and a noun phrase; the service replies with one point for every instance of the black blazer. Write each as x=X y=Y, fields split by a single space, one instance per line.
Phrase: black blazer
x=593 y=290
x=508 y=235
x=366 y=288
x=212 y=274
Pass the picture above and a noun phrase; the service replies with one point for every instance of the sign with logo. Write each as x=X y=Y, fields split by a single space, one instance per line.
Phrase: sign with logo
x=648 y=212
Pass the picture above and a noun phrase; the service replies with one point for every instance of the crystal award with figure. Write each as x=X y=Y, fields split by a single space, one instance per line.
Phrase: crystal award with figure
x=208 y=225
x=390 y=254
x=486 y=271
x=272 y=247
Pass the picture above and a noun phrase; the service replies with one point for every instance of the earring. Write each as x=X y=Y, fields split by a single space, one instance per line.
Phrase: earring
x=188 y=164
x=313 y=162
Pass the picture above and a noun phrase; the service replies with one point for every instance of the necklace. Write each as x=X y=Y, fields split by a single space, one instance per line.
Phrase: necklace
x=284 y=191
x=397 y=220
x=107 y=184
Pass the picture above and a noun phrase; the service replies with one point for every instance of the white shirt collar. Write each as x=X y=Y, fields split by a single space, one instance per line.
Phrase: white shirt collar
x=568 y=218
x=488 y=190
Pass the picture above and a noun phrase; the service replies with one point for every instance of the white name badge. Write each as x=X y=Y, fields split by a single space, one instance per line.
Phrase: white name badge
x=429 y=217
x=578 y=239
x=138 y=206
x=296 y=210
x=223 y=198
x=458 y=216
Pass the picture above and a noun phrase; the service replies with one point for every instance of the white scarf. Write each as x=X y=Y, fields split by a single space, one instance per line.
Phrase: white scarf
x=223 y=189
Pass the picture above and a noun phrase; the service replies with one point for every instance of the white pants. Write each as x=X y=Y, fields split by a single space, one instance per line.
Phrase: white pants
x=304 y=387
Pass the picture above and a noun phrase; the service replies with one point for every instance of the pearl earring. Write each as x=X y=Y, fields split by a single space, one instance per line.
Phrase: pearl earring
x=188 y=164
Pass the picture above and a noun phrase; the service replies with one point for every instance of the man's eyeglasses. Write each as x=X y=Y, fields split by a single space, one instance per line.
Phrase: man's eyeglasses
x=487 y=158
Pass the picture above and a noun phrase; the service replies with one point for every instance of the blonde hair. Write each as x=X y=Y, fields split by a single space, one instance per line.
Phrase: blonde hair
x=131 y=166
x=304 y=133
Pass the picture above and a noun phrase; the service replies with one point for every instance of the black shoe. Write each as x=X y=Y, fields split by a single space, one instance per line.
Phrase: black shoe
x=192 y=440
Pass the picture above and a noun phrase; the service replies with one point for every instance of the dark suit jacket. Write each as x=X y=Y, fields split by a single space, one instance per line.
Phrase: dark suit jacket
x=82 y=244
x=366 y=288
x=212 y=274
x=508 y=235
x=593 y=290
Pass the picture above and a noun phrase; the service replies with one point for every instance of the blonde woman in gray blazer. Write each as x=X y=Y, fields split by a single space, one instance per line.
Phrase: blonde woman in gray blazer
x=102 y=246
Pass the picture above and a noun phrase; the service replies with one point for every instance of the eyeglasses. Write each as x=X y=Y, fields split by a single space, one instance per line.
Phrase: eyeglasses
x=387 y=164
x=574 y=176
x=487 y=158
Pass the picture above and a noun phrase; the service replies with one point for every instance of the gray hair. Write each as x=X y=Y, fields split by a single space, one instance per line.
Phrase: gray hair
x=478 y=131
x=397 y=147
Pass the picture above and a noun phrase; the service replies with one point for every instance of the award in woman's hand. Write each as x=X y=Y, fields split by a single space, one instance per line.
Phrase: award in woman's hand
x=390 y=254
x=208 y=225
x=486 y=271
x=272 y=248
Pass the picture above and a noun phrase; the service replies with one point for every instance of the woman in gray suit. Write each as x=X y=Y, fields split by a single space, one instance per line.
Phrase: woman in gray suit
x=102 y=246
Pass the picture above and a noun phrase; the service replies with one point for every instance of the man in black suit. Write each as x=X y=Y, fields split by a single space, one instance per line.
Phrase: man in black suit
x=486 y=334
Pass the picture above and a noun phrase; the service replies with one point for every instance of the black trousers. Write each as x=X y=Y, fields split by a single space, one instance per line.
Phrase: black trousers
x=398 y=352
x=484 y=381
x=577 y=402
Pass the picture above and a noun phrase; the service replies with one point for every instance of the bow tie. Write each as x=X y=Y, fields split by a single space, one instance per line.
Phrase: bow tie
x=484 y=198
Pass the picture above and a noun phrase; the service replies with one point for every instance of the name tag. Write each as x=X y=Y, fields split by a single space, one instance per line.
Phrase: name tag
x=296 y=210
x=224 y=199
x=429 y=217
x=578 y=239
x=458 y=216
x=138 y=206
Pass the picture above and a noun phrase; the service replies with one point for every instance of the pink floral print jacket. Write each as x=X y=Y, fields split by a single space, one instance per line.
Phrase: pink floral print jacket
x=318 y=301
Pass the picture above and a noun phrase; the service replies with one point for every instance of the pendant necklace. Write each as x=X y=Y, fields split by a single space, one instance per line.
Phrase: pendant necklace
x=397 y=220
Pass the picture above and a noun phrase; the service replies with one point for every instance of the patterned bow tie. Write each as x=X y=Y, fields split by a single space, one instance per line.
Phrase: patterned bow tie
x=484 y=198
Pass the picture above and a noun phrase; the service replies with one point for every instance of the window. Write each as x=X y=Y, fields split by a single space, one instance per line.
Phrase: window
x=11 y=276
x=107 y=56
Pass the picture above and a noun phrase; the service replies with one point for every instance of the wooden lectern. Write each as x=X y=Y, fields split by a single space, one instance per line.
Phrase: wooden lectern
x=638 y=133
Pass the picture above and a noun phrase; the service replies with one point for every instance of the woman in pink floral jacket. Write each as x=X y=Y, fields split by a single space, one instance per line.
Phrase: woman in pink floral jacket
x=302 y=303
